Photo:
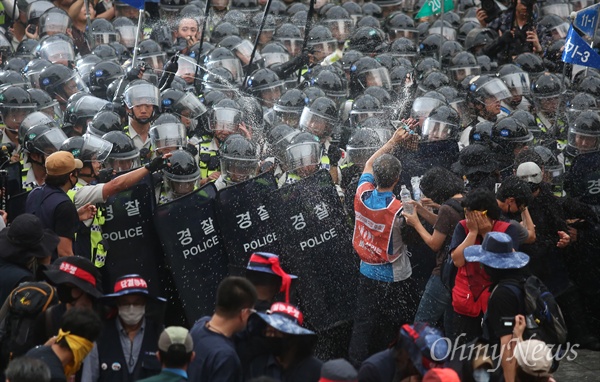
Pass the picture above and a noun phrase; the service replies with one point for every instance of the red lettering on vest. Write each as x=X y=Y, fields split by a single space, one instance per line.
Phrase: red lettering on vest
x=471 y=292
x=373 y=228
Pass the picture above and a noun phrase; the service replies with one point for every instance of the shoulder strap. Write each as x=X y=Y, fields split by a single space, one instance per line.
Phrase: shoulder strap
x=455 y=204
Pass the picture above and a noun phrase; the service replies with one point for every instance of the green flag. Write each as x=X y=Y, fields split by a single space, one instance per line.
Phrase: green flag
x=433 y=7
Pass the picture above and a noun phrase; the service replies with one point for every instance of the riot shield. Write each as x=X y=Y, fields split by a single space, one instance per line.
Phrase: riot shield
x=133 y=245
x=316 y=245
x=188 y=231
x=245 y=221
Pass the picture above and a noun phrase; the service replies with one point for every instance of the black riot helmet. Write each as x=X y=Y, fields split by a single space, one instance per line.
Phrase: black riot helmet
x=509 y=134
x=530 y=63
x=433 y=81
x=61 y=82
x=124 y=156
x=239 y=159
x=107 y=53
x=331 y=84
x=515 y=78
x=404 y=48
x=181 y=177
x=442 y=124
x=34 y=119
x=152 y=54
x=579 y=103
x=103 y=32
x=402 y=78
x=368 y=40
x=42 y=139
x=185 y=106
x=584 y=134
x=242 y=48
x=223 y=57
x=363 y=143
x=426 y=66
x=290 y=36
x=450 y=49
x=167 y=132
x=88 y=148
x=430 y=46
x=225 y=116
x=279 y=137
x=289 y=107
x=464 y=30
x=481 y=133
x=372 y=9
x=170 y=9
x=33 y=69
x=10 y=78
x=320 y=117
x=219 y=79
x=354 y=10
x=463 y=64
x=321 y=41
x=479 y=38
x=304 y=151
x=448 y=32
x=104 y=122
x=15 y=105
x=222 y=30
x=53 y=21
x=265 y=85
x=140 y=92
x=80 y=111
x=127 y=31
x=553 y=169
x=400 y=25
x=547 y=93
x=274 y=53
x=366 y=72
x=382 y=95
x=102 y=74
x=44 y=103
x=483 y=87
x=363 y=107
x=26 y=48
x=349 y=57
x=528 y=120
x=590 y=85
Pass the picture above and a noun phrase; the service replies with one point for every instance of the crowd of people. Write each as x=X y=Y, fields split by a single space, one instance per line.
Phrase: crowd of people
x=465 y=154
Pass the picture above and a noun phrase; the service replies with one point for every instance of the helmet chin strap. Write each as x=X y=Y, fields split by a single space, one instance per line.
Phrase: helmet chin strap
x=143 y=121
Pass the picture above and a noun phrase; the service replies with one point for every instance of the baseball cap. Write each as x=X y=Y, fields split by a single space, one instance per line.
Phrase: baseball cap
x=175 y=335
x=530 y=172
x=61 y=163
x=534 y=357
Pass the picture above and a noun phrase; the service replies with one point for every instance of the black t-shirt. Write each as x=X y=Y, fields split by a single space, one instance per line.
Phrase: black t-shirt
x=66 y=220
x=45 y=354
x=504 y=302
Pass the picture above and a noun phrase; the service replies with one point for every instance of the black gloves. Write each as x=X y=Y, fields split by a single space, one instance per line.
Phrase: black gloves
x=105 y=175
x=136 y=73
x=335 y=154
x=156 y=164
x=190 y=148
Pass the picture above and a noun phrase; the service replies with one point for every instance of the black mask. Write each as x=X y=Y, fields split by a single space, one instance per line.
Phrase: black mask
x=64 y=294
x=275 y=345
x=512 y=215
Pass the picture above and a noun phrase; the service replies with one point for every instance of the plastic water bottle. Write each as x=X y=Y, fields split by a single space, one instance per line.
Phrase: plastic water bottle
x=406 y=198
x=415 y=181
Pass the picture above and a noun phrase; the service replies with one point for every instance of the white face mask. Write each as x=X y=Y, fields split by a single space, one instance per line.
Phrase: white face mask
x=132 y=314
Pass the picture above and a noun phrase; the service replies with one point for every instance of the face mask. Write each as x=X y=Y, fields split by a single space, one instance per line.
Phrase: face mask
x=132 y=314
x=275 y=345
x=64 y=294
x=481 y=375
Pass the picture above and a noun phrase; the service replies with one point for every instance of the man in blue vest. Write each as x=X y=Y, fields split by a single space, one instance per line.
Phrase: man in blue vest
x=126 y=350
x=51 y=204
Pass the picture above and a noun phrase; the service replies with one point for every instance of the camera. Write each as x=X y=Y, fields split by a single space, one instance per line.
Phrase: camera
x=491 y=9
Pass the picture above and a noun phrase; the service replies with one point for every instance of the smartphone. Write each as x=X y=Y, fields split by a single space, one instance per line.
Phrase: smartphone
x=31 y=28
x=508 y=322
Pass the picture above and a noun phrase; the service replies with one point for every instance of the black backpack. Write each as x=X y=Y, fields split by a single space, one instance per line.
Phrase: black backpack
x=544 y=318
x=448 y=270
x=20 y=311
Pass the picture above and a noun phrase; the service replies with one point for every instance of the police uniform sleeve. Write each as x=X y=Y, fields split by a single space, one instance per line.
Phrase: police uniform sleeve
x=89 y=194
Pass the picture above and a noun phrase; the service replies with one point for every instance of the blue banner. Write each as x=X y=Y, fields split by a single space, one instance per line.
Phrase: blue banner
x=587 y=20
x=139 y=4
x=579 y=52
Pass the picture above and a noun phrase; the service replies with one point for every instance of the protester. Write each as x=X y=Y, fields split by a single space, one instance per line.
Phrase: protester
x=128 y=341
x=24 y=369
x=66 y=351
x=175 y=352
x=215 y=351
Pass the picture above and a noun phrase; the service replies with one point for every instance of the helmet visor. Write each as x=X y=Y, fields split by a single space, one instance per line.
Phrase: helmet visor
x=562 y=10
x=58 y=52
x=275 y=58
x=360 y=155
x=95 y=149
x=105 y=37
x=238 y=169
x=449 y=33
x=357 y=117
x=560 y=31
x=186 y=68
x=231 y=64
x=88 y=106
x=156 y=61
x=325 y=48
x=340 y=29
x=189 y=106
x=225 y=119
x=517 y=82
x=493 y=89
x=244 y=50
x=375 y=77
x=72 y=85
x=411 y=34
x=316 y=124
x=54 y=23
x=424 y=105
x=143 y=94
x=50 y=141
x=127 y=35
x=459 y=74
x=583 y=142
x=293 y=45
x=124 y=162
x=302 y=155
x=168 y=135
x=437 y=130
